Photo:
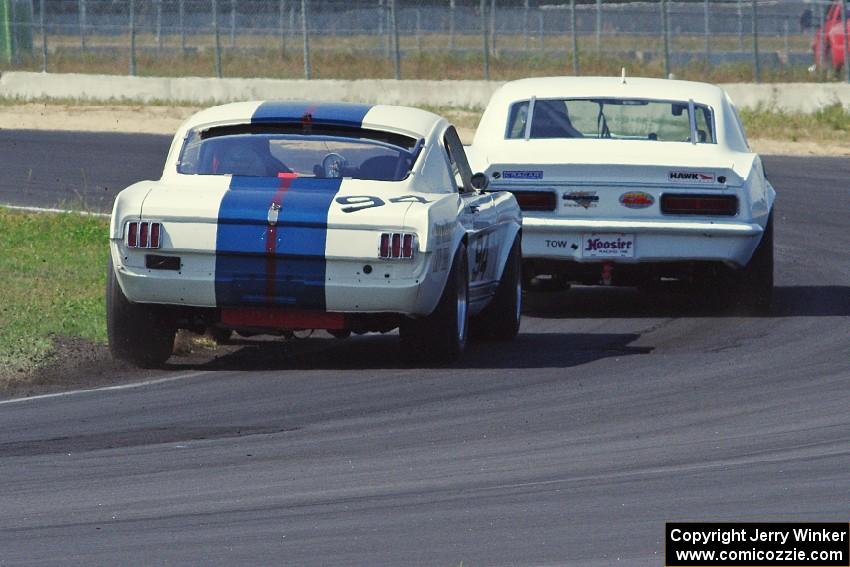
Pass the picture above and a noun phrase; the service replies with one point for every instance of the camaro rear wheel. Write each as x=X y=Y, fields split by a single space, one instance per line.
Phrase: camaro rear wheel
x=755 y=281
x=442 y=335
x=139 y=334
x=500 y=320
x=750 y=288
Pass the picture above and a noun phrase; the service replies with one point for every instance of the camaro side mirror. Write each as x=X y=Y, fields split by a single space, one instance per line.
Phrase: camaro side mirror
x=480 y=181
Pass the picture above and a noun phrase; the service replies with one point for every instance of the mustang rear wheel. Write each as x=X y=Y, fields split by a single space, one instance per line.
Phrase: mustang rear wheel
x=500 y=320
x=139 y=334
x=442 y=335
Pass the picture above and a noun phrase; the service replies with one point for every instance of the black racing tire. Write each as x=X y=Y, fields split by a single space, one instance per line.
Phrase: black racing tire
x=749 y=289
x=500 y=320
x=140 y=334
x=755 y=281
x=442 y=335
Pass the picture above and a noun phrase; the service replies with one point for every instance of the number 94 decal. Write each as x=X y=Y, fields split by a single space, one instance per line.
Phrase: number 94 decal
x=355 y=203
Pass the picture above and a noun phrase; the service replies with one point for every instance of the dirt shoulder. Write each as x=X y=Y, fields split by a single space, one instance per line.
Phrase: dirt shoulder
x=94 y=118
x=800 y=148
x=165 y=120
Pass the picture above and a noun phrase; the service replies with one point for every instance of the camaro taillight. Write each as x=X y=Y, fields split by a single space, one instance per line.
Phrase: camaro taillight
x=690 y=204
x=143 y=234
x=536 y=200
x=396 y=245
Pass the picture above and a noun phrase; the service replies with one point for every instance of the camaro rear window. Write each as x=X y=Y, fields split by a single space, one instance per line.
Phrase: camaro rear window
x=614 y=118
x=315 y=152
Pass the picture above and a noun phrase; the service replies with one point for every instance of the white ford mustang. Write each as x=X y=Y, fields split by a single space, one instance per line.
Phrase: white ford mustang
x=629 y=181
x=276 y=217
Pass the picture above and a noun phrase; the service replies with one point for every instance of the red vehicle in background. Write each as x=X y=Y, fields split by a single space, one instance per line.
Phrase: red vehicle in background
x=830 y=39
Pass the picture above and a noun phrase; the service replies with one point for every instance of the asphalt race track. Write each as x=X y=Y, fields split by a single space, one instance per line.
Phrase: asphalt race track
x=612 y=412
x=73 y=169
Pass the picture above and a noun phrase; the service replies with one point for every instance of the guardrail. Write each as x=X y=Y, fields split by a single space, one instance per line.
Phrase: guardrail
x=789 y=97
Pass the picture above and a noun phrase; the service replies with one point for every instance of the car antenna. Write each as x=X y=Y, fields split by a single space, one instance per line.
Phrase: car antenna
x=623 y=76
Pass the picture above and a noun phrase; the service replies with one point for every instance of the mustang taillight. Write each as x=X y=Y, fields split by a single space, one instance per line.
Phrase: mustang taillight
x=536 y=200
x=396 y=245
x=407 y=246
x=144 y=234
x=396 y=249
x=155 y=230
x=132 y=234
x=691 y=204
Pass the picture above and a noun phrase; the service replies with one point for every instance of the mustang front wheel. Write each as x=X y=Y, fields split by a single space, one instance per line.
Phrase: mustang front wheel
x=139 y=334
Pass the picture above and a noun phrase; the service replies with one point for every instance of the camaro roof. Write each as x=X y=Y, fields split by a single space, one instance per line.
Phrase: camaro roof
x=491 y=129
x=411 y=121
x=608 y=87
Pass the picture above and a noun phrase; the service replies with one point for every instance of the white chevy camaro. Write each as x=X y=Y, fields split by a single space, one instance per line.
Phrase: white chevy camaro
x=272 y=217
x=628 y=181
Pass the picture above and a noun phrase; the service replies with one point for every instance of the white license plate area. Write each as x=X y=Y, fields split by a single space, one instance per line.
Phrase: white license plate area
x=607 y=245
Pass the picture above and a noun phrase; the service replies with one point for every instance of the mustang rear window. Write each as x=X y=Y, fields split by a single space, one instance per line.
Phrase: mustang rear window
x=613 y=118
x=325 y=152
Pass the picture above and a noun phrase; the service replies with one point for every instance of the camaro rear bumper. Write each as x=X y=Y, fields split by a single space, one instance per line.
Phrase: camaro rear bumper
x=729 y=242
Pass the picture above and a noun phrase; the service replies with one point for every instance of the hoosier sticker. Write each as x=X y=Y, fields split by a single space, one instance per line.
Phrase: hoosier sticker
x=608 y=246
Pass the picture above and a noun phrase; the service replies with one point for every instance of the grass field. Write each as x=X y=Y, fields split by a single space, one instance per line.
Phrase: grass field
x=427 y=65
x=367 y=57
x=830 y=124
x=52 y=273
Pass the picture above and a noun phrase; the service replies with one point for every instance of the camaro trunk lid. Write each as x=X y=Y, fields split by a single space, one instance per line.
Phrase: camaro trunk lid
x=616 y=179
x=611 y=160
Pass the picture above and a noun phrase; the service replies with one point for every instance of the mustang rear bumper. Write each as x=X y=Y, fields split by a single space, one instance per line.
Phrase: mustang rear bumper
x=729 y=242
x=403 y=287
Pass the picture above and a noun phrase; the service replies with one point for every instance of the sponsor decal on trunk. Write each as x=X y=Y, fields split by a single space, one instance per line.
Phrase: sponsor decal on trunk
x=691 y=177
x=522 y=174
x=585 y=199
x=636 y=200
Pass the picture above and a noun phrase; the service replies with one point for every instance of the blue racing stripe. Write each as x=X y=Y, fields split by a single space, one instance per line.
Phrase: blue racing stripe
x=282 y=263
x=257 y=264
x=332 y=114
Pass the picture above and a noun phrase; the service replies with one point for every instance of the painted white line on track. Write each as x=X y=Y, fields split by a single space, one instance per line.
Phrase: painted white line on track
x=55 y=211
x=130 y=386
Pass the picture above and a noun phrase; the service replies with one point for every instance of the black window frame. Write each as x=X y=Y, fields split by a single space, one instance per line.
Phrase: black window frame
x=457 y=159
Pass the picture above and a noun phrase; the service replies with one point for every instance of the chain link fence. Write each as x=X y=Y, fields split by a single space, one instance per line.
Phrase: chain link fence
x=731 y=40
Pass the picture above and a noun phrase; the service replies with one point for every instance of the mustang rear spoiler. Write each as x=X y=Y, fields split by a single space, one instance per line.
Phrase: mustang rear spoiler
x=315 y=129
